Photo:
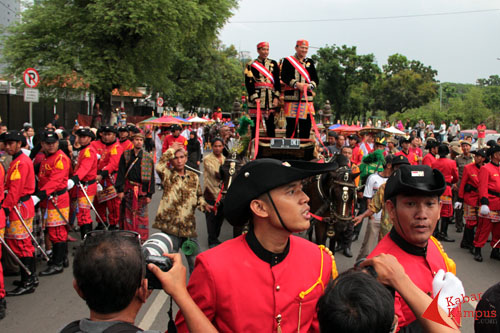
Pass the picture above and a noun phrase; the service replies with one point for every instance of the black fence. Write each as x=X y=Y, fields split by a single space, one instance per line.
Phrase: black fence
x=15 y=112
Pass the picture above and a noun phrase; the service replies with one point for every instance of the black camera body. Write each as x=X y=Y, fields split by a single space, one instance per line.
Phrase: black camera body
x=153 y=250
x=164 y=263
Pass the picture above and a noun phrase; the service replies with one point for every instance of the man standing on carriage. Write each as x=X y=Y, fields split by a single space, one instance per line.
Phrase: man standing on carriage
x=299 y=75
x=262 y=80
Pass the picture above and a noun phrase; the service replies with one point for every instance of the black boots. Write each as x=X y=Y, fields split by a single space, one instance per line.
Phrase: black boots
x=87 y=228
x=56 y=266
x=467 y=239
x=477 y=254
x=443 y=235
x=27 y=283
x=3 y=308
x=495 y=254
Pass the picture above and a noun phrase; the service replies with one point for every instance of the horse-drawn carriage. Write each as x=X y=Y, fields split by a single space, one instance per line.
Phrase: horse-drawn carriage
x=332 y=195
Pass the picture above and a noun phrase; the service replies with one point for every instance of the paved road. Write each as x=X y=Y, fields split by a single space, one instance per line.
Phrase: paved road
x=55 y=303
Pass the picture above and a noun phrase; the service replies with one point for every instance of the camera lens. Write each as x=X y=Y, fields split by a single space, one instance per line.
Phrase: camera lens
x=158 y=244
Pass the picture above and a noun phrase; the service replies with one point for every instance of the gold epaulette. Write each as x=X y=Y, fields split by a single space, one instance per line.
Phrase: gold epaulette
x=450 y=263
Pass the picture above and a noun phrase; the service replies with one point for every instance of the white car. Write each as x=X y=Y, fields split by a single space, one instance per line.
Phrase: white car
x=487 y=138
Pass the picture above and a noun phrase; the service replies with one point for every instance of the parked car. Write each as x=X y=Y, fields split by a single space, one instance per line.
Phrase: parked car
x=487 y=138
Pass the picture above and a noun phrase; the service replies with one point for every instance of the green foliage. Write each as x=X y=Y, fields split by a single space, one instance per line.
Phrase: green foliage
x=404 y=84
x=493 y=80
x=342 y=72
x=107 y=44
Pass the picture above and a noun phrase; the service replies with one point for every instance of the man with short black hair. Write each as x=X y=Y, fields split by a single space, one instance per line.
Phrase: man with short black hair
x=115 y=298
x=251 y=283
x=412 y=200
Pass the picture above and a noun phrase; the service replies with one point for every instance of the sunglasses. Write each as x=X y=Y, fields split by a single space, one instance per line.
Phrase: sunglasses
x=124 y=233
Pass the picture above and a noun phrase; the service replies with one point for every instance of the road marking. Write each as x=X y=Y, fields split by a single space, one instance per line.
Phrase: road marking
x=150 y=316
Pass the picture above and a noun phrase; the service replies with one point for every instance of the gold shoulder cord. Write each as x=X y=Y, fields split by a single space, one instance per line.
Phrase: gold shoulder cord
x=450 y=264
x=319 y=281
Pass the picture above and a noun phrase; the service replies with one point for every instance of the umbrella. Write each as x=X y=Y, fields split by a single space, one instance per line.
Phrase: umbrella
x=334 y=126
x=147 y=121
x=197 y=120
x=182 y=120
x=394 y=131
x=166 y=120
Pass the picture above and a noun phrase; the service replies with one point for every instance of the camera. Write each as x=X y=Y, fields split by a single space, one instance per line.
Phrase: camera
x=153 y=250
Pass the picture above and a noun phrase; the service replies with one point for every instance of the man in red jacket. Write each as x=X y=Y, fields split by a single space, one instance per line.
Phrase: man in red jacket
x=468 y=196
x=267 y=280
x=107 y=168
x=19 y=185
x=450 y=172
x=85 y=173
x=430 y=157
x=54 y=198
x=412 y=201
x=489 y=213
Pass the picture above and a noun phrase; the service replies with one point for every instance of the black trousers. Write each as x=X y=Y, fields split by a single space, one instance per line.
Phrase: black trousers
x=270 y=127
x=214 y=224
x=303 y=127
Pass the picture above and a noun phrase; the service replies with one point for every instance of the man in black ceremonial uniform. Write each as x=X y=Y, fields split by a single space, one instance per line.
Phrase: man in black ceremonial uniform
x=262 y=80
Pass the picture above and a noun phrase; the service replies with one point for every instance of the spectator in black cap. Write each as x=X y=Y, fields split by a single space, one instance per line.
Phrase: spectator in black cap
x=412 y=200
x=269 y=194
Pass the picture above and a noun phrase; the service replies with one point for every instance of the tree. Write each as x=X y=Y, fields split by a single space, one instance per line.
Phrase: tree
x=404 y=84
x=340 y=70
x=99 y=45
x=493 y=80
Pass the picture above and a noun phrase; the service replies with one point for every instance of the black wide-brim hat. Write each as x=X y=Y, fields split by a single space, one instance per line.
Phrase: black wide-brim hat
x=493 y=149
x=418 y=180
x=108 y=129
x=85 y=132
x=481 y=152
x=49 y=137
x=260 y=176
x=13 y=136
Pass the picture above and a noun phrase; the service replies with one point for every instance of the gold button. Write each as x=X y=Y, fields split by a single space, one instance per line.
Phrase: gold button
x=278 y=288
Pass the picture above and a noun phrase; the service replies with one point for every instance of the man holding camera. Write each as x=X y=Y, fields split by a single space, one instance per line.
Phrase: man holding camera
x=115 y=298
x=266 y=280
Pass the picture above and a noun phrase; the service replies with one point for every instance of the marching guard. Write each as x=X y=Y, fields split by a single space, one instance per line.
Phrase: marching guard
x=135 y=186
x=18 y=206
x=123 y=136
x=450 y=172
x=262 y=80
x=299 y=74
x=489 y=213
x=83 y=181
x=110 y=151
x=54 y=199
x=468 y=197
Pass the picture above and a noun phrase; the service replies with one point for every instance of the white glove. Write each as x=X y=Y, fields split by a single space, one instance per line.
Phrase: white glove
x=484 y=210
x=71 y=183
x=98 y=156
x=35 y=199
x=450 y=288
x=458 y=205
x=99 y=187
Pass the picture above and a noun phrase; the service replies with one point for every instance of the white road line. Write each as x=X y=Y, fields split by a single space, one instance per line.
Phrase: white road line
x=150 y=316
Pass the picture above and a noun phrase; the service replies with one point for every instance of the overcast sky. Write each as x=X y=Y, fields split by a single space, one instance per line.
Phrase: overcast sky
x=461 y=47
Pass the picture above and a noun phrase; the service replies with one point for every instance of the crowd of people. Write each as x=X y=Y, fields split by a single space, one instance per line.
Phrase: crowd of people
x=411 y=189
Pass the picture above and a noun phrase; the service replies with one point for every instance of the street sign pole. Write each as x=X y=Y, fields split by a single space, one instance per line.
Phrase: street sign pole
x=31 y=112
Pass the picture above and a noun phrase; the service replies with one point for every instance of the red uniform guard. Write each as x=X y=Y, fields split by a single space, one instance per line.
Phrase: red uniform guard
x=19 y=186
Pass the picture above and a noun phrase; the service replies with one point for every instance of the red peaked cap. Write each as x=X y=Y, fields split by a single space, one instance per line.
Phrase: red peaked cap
x=262 y=44
x=301 y=42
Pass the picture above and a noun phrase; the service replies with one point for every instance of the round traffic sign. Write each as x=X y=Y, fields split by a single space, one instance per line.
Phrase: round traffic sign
x=31 y=77
x=159 y=101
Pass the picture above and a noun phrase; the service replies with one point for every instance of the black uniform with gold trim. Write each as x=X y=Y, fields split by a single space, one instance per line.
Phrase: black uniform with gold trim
x=260 y=87
x=292 y=96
